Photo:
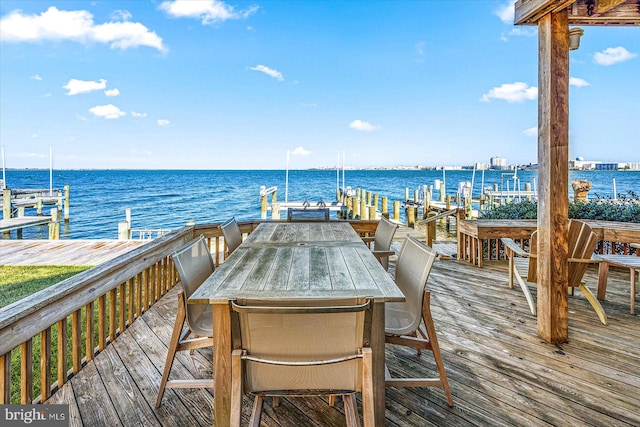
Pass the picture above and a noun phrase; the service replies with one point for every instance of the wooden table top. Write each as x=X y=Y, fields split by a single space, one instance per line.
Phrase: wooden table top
x=299 y=260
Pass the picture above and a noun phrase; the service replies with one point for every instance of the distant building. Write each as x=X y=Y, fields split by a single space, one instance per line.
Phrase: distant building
x=607 y=167
x=581 y=164
x=482 y=166
x=498 y=163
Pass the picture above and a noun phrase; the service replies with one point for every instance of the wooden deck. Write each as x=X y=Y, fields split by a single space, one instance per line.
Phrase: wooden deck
x=63 y=252
x=501 y=373
x=18 y=223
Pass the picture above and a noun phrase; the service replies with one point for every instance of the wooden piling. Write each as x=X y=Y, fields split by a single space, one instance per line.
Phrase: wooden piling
x=364 y=212
x=54 y=225
x=123 y=230
x=6 y=204
x=396 y=210
x=275 y=211
x=430 y=229
x=67 y=192
x=411 y=216
x=527 y=188
x=385 y=206
x=372 y=212
x=376 y=200
x=406 y=194
x=39 y=206
x=442 y=192
x=263 y=207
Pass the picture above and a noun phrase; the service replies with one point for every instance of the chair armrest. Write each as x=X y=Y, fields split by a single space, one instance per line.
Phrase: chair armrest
x=514 y=247
x=635 y=245
x=382 y=254
x=595 y=259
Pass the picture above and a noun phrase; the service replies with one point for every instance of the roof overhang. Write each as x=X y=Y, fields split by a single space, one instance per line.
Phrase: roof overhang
x=581 y=12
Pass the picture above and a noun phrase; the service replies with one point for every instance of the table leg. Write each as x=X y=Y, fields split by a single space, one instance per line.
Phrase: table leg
x=633 y=290
x=603 y=275
x=221 y=364
x=377 y=348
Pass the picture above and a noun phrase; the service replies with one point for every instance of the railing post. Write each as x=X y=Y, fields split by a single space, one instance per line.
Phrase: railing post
x=66 y=202
x=385 y=206
x=54 y=225
x=123 y=230
x=6 y=203
x=396 y=210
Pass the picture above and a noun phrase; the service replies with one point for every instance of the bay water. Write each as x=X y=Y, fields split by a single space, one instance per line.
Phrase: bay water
x=167 y=199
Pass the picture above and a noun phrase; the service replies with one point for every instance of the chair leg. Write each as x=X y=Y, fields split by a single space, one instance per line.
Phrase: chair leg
x=350 y=410
x=435 y=347
x=256 y=414
x=332 y=400
x=594 y=303
x=236 y=388
x=526 y=291
x=173 y=347
x=368 y=410
x=511 y=266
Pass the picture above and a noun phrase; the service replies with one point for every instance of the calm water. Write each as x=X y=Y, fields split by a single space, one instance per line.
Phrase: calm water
x=168 y=199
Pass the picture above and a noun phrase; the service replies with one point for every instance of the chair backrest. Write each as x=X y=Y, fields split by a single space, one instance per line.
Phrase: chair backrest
x=232 y=234
x=302 y=337
x=383 y=237
x=194 y=264
x=412 y=272
x=582 y=244
x=308 y=215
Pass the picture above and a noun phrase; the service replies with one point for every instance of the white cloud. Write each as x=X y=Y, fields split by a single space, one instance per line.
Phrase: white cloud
x=419 y=48
x=268 y=71
x=75 y=86
x=108 y=111
x=531 y=131
x=112 y=92
x=138 y=115
x=506 y=12
x=613 y=55
x=208 y=11
x=300 y=151
x=35 y=77
x=162 y=122
x=120 y=15
x=512 y=92
x=578 y=82
x=363 y=126
x=78 y=26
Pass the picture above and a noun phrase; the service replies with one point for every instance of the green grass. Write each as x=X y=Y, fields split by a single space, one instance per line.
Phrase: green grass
x=17 y=282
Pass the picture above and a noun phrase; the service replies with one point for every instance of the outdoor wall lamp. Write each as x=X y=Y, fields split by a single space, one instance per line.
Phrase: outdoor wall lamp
x=574 y=38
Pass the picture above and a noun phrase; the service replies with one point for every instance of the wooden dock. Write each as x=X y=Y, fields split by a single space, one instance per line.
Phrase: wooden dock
x=63 y=252
x=19 y=223
x=501 y=373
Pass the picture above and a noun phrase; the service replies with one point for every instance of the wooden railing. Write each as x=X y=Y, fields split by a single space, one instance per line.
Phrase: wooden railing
x=49 y=336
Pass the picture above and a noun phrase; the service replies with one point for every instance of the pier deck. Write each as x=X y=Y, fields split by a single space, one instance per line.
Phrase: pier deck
x=22 y=222
x=501 y=373
x=63 y=252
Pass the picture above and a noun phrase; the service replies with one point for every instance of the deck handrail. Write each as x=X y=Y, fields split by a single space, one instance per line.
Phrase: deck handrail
x=122 y=289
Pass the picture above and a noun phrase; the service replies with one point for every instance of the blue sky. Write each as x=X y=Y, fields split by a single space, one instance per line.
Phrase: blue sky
x=235 y=85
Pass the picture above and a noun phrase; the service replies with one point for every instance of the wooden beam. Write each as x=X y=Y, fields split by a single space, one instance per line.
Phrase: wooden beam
x=553 y=175
x=603 y=6
x=529 y=12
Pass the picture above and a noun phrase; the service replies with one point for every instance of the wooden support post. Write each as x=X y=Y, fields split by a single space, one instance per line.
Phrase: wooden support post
x=6 y=203
x=372 y=212
x=448 y=203
x=39 y=206
x=411 y=216
x=553 y=196
x=416 y=197
x=385 y=206
x=396 y=210
x=67 y=192
x=430 y=229
x=527 y=188
x=364 y=212
x=274 y=196
x=376 y=200
x=427 y=202
x=275 y=211
x=263 y=207
x=406 y=194
x=54 y=225
x=368 y=198
x=443 y=192
x=123 y=230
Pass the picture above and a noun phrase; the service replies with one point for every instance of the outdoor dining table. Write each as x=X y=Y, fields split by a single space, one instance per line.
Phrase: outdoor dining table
x=320 y=260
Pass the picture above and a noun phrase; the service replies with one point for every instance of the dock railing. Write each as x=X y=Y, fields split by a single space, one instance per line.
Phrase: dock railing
x=46 y=338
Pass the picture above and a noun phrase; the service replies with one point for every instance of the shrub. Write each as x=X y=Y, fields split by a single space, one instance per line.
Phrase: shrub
x=624 y=209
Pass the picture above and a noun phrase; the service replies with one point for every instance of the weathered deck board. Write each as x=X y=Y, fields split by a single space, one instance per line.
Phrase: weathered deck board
x=501 y=373
x=22 y=222
x=64 y=252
